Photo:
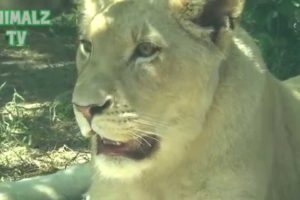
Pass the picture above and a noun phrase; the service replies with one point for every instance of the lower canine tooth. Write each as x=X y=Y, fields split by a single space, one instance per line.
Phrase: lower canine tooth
x=111 y=142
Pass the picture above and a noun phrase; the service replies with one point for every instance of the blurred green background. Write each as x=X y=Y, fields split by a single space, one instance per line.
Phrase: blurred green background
x=275 y=25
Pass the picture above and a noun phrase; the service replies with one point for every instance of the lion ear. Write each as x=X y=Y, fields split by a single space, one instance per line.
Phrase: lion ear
x=217 y=14
x=88 y=8
x=222 y=16
x=91 y=7
x=220 y=13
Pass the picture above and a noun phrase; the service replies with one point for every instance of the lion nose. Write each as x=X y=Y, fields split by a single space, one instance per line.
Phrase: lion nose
x=89 y=111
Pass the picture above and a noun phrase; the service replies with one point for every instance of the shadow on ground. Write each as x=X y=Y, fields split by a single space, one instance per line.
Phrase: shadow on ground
x=38 y=133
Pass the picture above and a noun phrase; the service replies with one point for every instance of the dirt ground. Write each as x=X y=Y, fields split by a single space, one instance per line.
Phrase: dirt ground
x=38 y=134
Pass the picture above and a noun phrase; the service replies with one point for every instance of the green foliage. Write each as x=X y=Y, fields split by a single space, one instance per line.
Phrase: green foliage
x=65 y=24
x=61 y=109
x=275 y=24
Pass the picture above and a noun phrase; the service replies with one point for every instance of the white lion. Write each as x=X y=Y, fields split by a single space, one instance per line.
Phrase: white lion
x=179 y=106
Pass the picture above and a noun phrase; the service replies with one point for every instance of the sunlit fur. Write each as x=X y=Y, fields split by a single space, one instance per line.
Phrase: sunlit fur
x=227 y=129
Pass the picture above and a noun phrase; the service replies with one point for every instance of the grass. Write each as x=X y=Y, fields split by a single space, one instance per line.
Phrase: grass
x=38 y=138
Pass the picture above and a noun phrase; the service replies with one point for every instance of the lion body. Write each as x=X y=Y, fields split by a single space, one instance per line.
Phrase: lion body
x=238 y=140
x=250 y=153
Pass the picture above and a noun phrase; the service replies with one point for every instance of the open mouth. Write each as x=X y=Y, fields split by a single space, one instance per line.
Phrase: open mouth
x=136 y=149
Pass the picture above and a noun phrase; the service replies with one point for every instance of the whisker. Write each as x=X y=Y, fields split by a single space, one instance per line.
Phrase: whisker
x=148 y=134
x=145 y=122
x=149 y=124
x=140 y=137
x=150 y=119
x=136 y=137
x=151 y=137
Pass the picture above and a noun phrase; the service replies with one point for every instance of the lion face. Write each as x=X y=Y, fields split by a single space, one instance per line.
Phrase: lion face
x=140 y=78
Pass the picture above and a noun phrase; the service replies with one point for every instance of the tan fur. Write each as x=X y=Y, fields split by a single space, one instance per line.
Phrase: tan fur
x=228 y=129
x=294 y=83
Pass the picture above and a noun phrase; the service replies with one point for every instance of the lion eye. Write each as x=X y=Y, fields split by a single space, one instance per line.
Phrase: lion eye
x=86 y=46
x=146 y=49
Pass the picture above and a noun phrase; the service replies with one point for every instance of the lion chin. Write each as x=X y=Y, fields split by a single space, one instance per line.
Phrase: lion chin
x=114 y=160
x=119 y=168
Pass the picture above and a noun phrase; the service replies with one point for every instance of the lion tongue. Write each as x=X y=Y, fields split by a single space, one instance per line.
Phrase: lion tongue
x=132 y=149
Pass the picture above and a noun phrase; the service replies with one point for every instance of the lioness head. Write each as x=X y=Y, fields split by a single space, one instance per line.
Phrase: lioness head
x=147 y=75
